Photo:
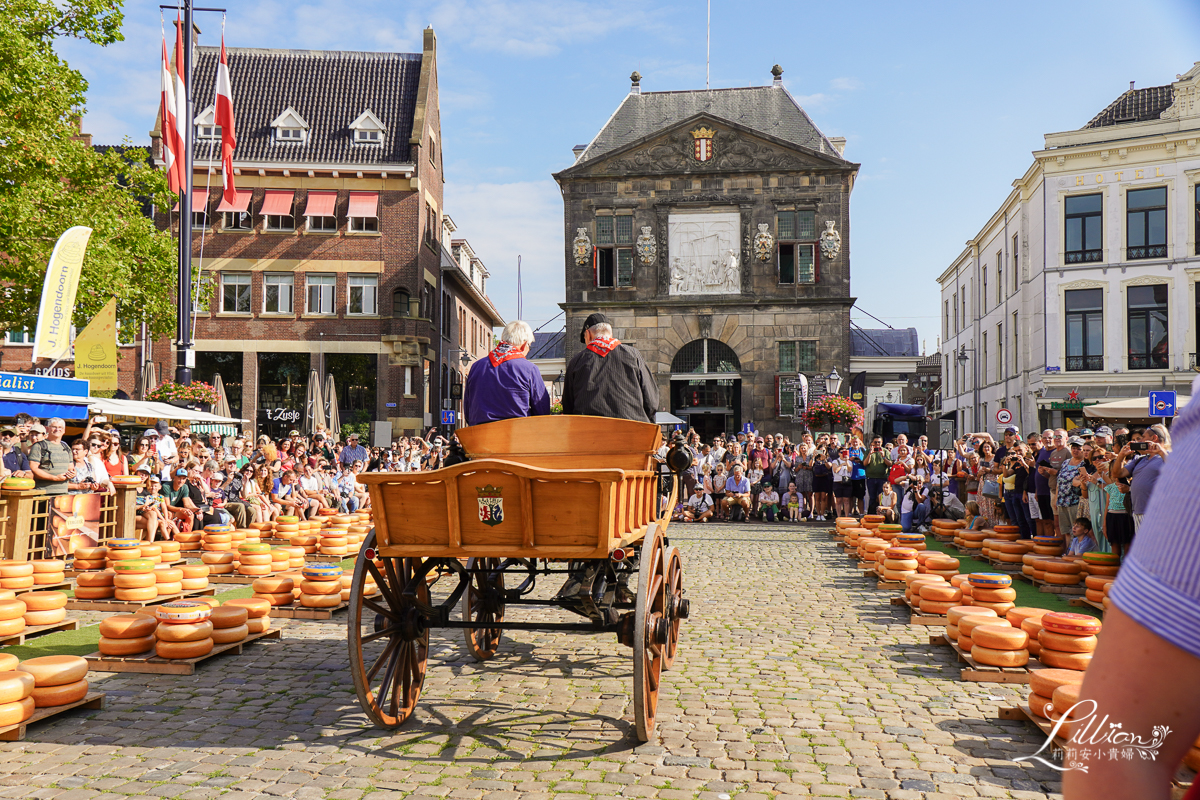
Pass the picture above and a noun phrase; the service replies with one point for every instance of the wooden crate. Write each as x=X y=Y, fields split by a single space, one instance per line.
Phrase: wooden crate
x=129 y=606
x=919 y=618
x=16 y=733
x=297 y=611
x=985 y=673
x=151 y=664
x=33 y=631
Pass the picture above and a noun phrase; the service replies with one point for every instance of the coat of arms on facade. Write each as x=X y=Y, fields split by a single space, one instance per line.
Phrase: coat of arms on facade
x=702 y=144
x=831 y=242
x=491 y=505
x=582 y=247
x=647 y=247
x=764 y=243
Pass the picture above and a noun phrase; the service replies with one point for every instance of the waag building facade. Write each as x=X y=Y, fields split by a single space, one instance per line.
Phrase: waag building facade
x=712 y=227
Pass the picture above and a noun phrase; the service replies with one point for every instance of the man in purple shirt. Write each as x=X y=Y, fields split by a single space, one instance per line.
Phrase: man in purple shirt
x=505 y=384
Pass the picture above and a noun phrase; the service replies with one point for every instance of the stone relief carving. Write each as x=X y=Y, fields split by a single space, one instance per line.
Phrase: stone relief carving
x=647 y=247
x=705 y=253
x=831 y=241
x=764 y=242
x=675 y=153
x=582 y=247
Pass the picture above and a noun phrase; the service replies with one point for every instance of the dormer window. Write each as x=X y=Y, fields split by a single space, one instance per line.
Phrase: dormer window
x=290 y=127
x=367 y=129
x=290 y=134
x=206 y=127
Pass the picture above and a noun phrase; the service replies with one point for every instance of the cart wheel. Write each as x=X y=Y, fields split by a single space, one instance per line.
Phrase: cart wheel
x=677 y=606
x=483 y=603
x=649 y=634
x=388 y=680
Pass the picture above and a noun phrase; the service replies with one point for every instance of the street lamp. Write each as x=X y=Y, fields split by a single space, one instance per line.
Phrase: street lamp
x=558 y=383
x=833 y=381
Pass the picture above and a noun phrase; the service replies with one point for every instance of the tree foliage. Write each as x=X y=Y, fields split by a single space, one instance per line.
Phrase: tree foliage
x=50 y=180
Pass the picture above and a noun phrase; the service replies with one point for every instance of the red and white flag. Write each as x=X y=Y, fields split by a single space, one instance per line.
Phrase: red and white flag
x=183 y=125
x=170 y=136
x=224 y=119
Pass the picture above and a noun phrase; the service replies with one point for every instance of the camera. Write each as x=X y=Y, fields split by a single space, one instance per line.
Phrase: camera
x=1139 y=447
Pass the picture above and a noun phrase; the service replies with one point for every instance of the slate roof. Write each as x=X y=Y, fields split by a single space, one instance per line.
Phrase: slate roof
x=1135 y=105
x=884 y=342
x=328 y=88
x=549 y=345
x=767 y=109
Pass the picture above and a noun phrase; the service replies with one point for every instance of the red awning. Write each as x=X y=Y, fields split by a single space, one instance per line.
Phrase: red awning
x=278 y=202
x=320 y=204
x=199 y=200
x=363 y=204
x=240 y=204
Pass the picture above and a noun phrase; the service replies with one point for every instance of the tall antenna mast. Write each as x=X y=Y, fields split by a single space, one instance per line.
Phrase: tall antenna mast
x=708 y=47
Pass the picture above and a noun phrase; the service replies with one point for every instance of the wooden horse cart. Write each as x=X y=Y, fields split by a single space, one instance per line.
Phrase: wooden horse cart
x=568 y=496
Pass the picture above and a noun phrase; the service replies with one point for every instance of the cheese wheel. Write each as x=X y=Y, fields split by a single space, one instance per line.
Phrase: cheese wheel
x=134 y=566
x=12 y=609
x=964 y=642
x=1066 y=697
x=926 y=606
x=287 y=528
x=94 y=592
x=230 y=635
x=222 y=569
x=1097 y=581
x=958 y=612
x=82 y=564
x=322 y=572
x=321 y=600
x=127 y=626
x=275 y=584
x=150 y=550
x=952 y=632
x=255 y=607
x=1002 y=595
x=254 y=569
x=136 y=581
x=218 y=558
x=1102 y=570
x=193 y=649
x=127 y=647
x=940 y=592
x=195 y=571
x=48 y=565
x=1016 y=616
x=1039 y=704
x=279 y=555
x=96 y=579
x=989 y=580
x=1071 y=624
x=1061 y=660
x=1058 y=579
x=193 y=584
x=180 y=611
x=258 y=624
x=10 y=627
x=900 y=564
x=123 y=555
x=49 y=578
x=1045 y=681
x=228 y=617
x=217 y=538
x=1000 y=608
x=134 y=595
x=320 y=587
x=1000 y=658
x=183 y=631
x=276 y=598
x=51 y=616
x=168 y=589
x=55 y=670
x=1065 y=643
x=8 y=662
x=170 y=575
x=255 y=559
x=217 y=547
x=90 y=553
x=14 y=713
x=15 y=686
x=999 y=637
x=967 y=624
x=15 y=569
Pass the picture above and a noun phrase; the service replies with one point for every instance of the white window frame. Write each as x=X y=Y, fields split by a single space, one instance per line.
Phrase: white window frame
x=279 y=280
x=312 y=229
x=202 y=299
x=226 y=216
x=203 y=215
x=408 y=381
x=326 y=283
x=369 y=299
x=290 y=135
x=236 y=279
x=25 y=332
x=360 y=224
x=368 y=136
x=268 y=225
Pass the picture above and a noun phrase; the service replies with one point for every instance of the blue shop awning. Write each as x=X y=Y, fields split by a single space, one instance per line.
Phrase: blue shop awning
x=43 y=406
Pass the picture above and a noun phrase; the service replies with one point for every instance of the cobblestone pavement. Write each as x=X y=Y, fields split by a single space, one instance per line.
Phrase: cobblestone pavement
x=795 y=678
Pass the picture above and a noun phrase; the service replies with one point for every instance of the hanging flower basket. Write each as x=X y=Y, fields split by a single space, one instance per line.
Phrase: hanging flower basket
x=833 y=409
x=196 y=395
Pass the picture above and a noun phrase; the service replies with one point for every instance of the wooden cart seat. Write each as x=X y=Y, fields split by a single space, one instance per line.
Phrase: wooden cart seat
x=563 y=441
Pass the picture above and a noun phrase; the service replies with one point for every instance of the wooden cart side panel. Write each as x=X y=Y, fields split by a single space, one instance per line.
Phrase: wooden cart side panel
x=565 y=441
x=415 y=513
x=624 y=509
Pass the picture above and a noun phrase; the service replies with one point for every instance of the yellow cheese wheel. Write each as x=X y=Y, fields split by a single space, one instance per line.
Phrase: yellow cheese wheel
x=1061 y=660
x=940 y=592
x=15 y=686
x=13 y=713
x=15 y=569
x=183 y=631
x=900 y=564
x=1002 y=595
x=96 y=579
x=127 y=647
x=94 y=592
x=999 y=637
x=276 y=598
x=1066 y=696
x=137 y=581
x=192 y=584
x=342 y=541
x=1016 y=616
x=193 y=649
x=925 y=606
x=254 y=569
x=83 y=564
x=10 y=627
x=1000 y=658
x=127 y=626
x=287 y=528
x=321 y=587
x=50 y=617
x=958 y=612
x=150 y=549
x=12 y=609
x=170 y=575
x=8 y=662
x=964 y=642
x=952 y=632
x=1000 y=608
x=49 y=578
x=16 y=583
x=967 y=624
x=48 y=565
x=218 y=558
x=321 y=600
x=1045 y=681
x=228 y=617
x=44 y=601
x=134 y=595
x=90 y=553
x=273 y=584
x=258 y=624
x=194 y=571
x=255 y=607
x=55 y=670
x=1060 y=579
x=165 y=589
x=255 y=559
x=123 y=555
x=1066 y=643
x=279 y=554
x=229 y=635
x=1040 y=704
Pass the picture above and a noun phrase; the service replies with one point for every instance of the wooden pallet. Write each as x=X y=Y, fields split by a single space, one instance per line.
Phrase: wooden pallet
x=71 y=573
x=1054 y=588
x=32 y=631
x=917 y=617
x=53 y=587
x=1004 y=566
x=16 y=733
x=942 y=539
x=886 y=584
x=151 y=664
x=984 y=673
x=245 y=580
x=1083 y=601
x=330 y=559
x=129 y=606
x=297 y=611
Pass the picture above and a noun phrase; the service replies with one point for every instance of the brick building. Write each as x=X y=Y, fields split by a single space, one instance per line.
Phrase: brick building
x=332 y=257
x=712 y=227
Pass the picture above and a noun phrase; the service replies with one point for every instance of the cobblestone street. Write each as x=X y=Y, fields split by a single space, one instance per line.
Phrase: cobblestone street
x=795 y=677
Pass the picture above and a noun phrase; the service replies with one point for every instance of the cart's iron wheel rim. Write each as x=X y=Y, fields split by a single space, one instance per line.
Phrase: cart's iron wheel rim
x=483 y=604
x=649 y=634
x=675 y=599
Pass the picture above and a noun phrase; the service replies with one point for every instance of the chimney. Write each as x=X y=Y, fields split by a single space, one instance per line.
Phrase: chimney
x=839 y=144
x=1131 y=86
x=578 y=149
x=777 y=71
x=636 y=79
x=195 y=34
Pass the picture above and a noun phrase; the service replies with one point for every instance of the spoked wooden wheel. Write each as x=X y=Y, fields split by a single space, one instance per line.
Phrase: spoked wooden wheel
x=387 y=663
x=677 y=605
x=650 y=634
x=483 y=602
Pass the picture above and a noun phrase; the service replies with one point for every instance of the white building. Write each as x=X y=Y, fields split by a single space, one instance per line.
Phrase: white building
x=1081 y=288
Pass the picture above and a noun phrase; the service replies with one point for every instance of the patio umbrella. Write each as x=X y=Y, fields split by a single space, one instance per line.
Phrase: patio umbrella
x=333 y=422
x=148 y=381
x=314 y=405
x=221 y=408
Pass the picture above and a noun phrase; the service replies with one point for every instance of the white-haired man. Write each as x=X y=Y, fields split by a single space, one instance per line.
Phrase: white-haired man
x=607 y=378
x=506 y=384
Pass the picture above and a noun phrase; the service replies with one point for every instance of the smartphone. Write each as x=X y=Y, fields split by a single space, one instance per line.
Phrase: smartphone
x=1139 y=447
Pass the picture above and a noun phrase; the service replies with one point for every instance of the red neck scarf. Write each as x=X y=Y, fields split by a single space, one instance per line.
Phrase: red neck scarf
x=603 y=345
x=504 y=352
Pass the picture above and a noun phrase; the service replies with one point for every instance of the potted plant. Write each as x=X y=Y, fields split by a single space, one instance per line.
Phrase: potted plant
x=198 y=396
x=833 y=410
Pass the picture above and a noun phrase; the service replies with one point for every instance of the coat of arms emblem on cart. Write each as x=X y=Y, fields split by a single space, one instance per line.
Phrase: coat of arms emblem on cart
x=491 y=505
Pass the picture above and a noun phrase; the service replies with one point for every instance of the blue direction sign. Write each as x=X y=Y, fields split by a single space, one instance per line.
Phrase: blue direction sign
x=449 y=417
x=1162 y=404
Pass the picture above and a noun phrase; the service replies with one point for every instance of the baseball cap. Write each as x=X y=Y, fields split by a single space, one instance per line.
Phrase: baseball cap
x=293 y=433
x=1104 y=430
x=143 y=468
x=1086 y=433
x=150 y=432
x=9 y=429
x=1075 y=441
x=593 y=319
x=1013 y=429
x=37 y=427
x=181 y=472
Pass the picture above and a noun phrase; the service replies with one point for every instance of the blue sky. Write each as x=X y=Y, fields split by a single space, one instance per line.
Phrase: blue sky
x=941 y=103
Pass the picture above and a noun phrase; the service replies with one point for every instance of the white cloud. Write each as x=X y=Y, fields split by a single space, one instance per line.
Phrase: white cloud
x=845 y=84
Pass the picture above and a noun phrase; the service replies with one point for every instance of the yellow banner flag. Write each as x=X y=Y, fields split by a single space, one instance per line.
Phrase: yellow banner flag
x=53 y=338
x=96 y=349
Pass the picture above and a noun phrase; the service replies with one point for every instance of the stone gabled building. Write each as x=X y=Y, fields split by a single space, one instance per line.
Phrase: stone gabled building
x=713 y=227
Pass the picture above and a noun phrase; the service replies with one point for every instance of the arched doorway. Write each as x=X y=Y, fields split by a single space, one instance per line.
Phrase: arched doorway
x=706 y=387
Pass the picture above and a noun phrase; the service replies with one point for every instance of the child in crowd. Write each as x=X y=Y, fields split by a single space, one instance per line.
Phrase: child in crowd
x=1118 y=527
x=768 y=502
x=1082 y=540
x=793 y=501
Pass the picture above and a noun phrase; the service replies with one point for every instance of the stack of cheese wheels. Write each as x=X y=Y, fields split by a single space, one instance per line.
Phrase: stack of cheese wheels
x=195 y=576
x=914 y=540
x=189 y=541
x=183 y=629
x=1100 y=565
x=16 y=686
x=936 y=595
x=1043 y=683
x=999 y=644
x=868 y=546
x=57 y=680
x=127 y=634
x=89 y=559
x=219 y=563
x=954 y=615
x=247 y=535
x=938 y=564
x=335 y=539
x=286 y=525
x=992 y=590
x=168 y=580
x=217 y=538
x=151 y=550
x=1048 y=545
x=49 y=572
x=1058 y=571
x=12 y=615
x=295 y=556
x=229 y=624
x=16 y=574
x=280 y=560
x=258 y=613
x=44 y=608
x=122 y=550
x=897 y=563
x=254 y=559
x=967 y=623
x=322 y=586
x=135 y=580
x=888 y=531
x=947 y=528
x=1018 y=616
x=95 y=585
x=971 y=540
x=275 y=589
x=1007 y=552
x=1067 y=640
x=170 y=551
x=1097 y=587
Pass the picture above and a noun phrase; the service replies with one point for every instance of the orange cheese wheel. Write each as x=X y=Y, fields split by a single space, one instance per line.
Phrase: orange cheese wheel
x=123 y=555
x=1016 y=616
x=287 y=528
x=321 y=600
x=255 y=559
x=193 y=649
x=1034 y=647
x=1000 y=608
x=12 y=609
x=321 y=587
x=94 y=592
x=218 y=558
x=258 y=624
x=150 y=549
x=279 y=554
x=1065 y=643
x=1059 y=566
x=1059 y=579
x=255 y=607
x=956 y=613
x=276 y=598
x=127 y=626
x=228 y=617
x=926 y=606
x=254 y=569
x=91 y=553
x=229 y=635
x=170 y=575
x=1103 y=570
x=1045 y=681
x=1002 y=595
x=8 y=662
x=217 y=538
x=55 y=670
x=13 y=713
x=195 y=571
x=127 y=647
x=137 y=581
x=1000 y=658
x=1066 y=696
x=10 y=627
x=52 y=616
x=49 y=578
x=193 y=584
x=964 y=642
x=967 y=624
x=135 y=595
x=273 y=585
x=48 y=565
x=1040 y=704
x=999 y=637
x=16 y=583
x=81 y=564
x=15 y=686
x=183 y=631
x=940 y=592
x=223 y=569
x=98 y=579
x=894 y=564
x=166 y=589
x=348 y=579
x=1061 y=660
x=7 y=594
x=1032 y=625
x=15 y=569
x=952 y=632
x=1071 y=624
